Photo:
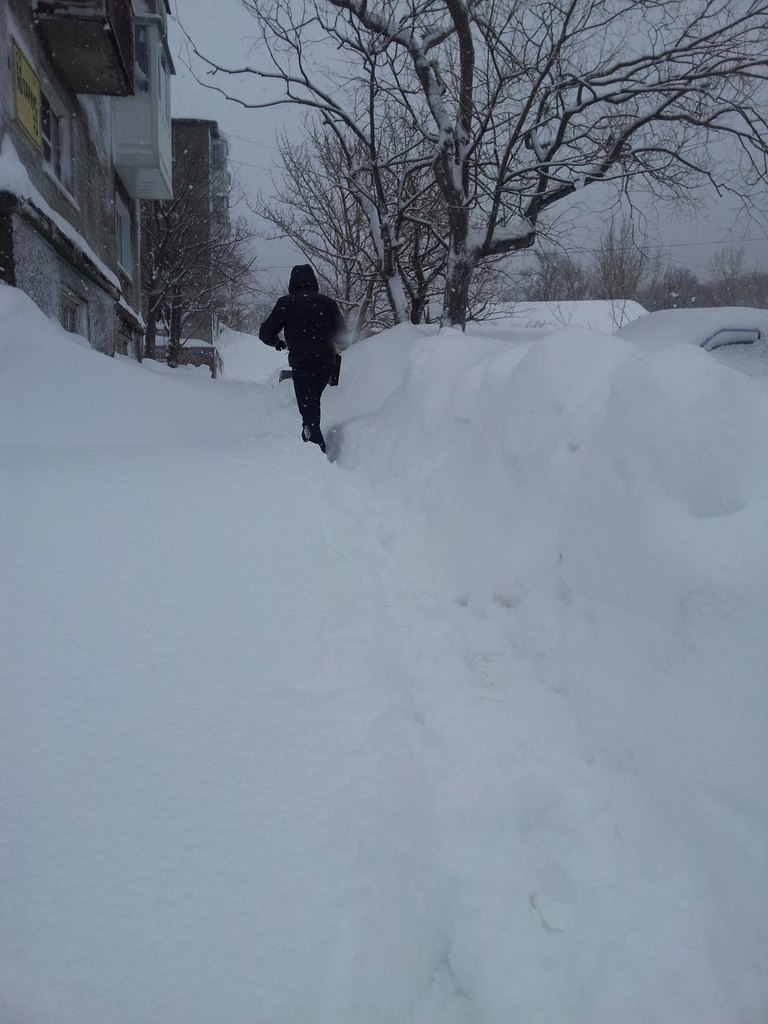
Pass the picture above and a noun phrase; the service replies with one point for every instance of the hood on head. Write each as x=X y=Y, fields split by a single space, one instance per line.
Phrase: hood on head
x=303 y=279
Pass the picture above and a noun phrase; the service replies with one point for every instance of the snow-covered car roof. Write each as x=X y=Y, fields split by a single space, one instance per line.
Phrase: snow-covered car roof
x=708 y=327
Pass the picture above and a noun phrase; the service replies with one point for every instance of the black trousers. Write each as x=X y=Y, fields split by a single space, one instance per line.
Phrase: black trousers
x=309 y=382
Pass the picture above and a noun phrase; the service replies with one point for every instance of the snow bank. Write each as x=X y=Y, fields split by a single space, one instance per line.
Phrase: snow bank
x=603 y=512
x=598 y=314
x=57 y=391
x=671 y=503
x=527 y=407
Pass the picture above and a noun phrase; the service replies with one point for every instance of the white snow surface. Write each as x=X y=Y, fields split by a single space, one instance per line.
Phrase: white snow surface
x=598 y=314
x=245 y=358
x=466 y=727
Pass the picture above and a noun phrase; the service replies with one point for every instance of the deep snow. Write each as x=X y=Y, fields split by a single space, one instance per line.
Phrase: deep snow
x=466 y=728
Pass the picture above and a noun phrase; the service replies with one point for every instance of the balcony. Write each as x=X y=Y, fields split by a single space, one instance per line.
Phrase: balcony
x=142 y=122
x=91 y=42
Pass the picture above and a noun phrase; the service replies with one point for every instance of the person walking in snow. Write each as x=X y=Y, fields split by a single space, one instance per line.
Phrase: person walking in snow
x=314 y=329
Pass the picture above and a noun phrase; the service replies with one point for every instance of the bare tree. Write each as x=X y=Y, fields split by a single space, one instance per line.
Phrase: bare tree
x=520 y=106
x=620 y=263
x=670 y=287
x=315 y=210
x=755 y=288
x=241 y=304
x=726 y=271
x=733 y=283
x=555 y=277
x=325 y=207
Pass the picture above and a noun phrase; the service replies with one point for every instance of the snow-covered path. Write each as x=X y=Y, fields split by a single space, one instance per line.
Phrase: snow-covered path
x=215 y=763
x=385 y=741
x=239 y=742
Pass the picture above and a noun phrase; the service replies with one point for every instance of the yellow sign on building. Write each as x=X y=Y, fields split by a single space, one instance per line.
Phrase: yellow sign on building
x=26 y=87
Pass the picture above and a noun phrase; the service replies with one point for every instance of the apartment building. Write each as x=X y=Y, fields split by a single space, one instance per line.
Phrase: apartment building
x=85 y=133
x=201 y=155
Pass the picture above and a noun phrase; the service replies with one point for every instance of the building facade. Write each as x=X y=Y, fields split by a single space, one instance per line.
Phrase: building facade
x=85 y=132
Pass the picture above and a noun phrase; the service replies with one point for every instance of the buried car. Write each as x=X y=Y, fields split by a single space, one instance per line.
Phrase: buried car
x=737 y=335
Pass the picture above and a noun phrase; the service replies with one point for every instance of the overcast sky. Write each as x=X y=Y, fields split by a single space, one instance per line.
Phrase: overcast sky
x=227 y=33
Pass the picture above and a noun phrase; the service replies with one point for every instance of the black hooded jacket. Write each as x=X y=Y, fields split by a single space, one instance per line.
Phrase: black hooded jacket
x=310 y=322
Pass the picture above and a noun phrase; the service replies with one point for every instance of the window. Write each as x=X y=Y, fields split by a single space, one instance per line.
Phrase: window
x=164 y=87
x=219 y=157
x=73 y=313
x=123 y=231
x=219 y=181
x=56 y=138
x=220 y=211
x=141 y=67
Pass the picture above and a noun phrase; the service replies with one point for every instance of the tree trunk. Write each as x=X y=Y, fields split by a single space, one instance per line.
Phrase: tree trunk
x=420 y=301
x=362 y=313
x=174 y=335
x=391 y=273
x=461 y=259
x=397 y=298
x=457 y=284
x=150 y=335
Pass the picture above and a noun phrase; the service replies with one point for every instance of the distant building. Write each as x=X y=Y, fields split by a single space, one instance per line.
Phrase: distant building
x=85 y=132
x=187 y=250
x=199 y=144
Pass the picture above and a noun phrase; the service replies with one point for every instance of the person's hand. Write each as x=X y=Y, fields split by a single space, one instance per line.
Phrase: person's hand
x=280 y=345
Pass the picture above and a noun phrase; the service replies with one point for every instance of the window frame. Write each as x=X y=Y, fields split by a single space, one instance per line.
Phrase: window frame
x=73 y=313
x=142 y=59
x=163 y=83
x=124 y=235
x=56 y=132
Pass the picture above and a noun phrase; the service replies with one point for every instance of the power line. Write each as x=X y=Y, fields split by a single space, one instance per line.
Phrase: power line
x=256 y=167
x=252 y=142
x=729 y=241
